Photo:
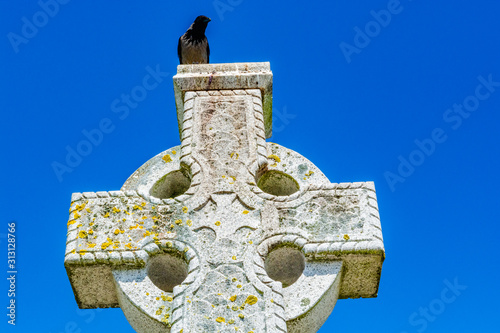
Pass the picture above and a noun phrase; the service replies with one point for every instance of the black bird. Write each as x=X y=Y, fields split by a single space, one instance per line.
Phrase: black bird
x=193 y=45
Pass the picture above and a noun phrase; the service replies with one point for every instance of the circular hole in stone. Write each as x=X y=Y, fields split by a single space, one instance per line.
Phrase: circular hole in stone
x=167 y=271
x=285 y=264
x=171 y=185
x=277 y=183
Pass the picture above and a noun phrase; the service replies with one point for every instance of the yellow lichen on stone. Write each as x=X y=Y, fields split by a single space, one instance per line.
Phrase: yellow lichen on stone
x=116 y=210
x=76 y=215
x=346 y=237
x=71 y=222
x=178 y=222
x=165 y=318
x=174 y=152
x=189 y=223
x=79 y=208
x=185 y=209
x=245 y=212
x=137 y=207
x=251 y=300
x=234 y=257
x=169 y=299
x=220 y=320
x=217 y=223
x=91 y=245
x=239 y=286
x=82 y=234
x=275 y=158
x=241 y=315
x=82 y=252
x=231 y=321
x=167 y=158
x=233 y=298
x=106 y=244
x=106 y=215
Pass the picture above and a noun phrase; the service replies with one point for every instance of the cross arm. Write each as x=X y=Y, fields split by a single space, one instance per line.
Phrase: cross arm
x=335 y=222
x=116 y=229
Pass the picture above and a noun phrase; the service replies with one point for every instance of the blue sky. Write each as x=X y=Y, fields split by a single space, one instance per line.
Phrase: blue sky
x=405 y=94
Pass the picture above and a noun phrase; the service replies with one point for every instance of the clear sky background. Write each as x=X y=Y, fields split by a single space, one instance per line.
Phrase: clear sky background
x=410 y=101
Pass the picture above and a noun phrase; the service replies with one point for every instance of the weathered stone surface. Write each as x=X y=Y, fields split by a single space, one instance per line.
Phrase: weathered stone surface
x=225 y=231
x=234 y=76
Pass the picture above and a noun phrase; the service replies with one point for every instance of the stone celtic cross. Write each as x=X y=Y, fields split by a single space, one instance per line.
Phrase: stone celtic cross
x=226 y=232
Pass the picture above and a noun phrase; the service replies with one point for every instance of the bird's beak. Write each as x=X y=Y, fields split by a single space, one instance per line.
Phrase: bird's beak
x=208 y=19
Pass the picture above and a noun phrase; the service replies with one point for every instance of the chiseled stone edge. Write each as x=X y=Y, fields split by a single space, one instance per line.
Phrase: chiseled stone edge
x=234 y=68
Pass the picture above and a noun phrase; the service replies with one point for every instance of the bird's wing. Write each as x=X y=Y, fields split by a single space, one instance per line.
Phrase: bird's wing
x=179 y=50
x=208 y=52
